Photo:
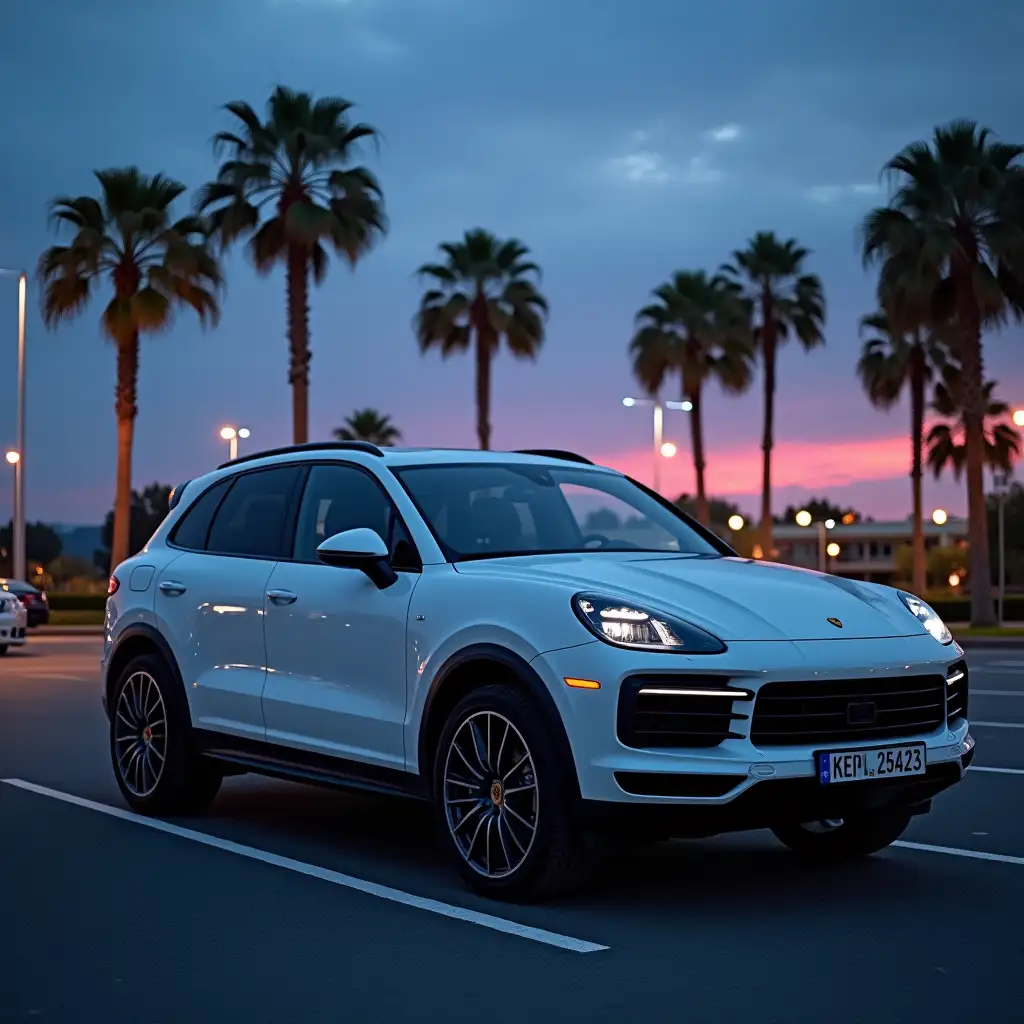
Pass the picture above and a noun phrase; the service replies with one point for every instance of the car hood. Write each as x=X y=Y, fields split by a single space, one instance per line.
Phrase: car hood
x=734 y=598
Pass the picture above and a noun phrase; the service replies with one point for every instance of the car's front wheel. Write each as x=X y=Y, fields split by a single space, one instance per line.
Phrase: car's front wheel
x=156 y=765
x=842 y=839
x=503 y=798
x=3 y=650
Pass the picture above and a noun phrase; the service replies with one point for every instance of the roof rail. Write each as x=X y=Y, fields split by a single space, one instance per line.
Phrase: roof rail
x=555 y=453
x=312 y=446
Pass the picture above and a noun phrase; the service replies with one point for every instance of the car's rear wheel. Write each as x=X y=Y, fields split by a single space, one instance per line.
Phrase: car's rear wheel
x=503 y=799
x=841 y=839
x=156 y=765
x=3 y=649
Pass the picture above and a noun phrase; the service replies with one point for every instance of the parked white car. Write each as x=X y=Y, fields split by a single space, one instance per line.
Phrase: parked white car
x=13 y=621
x=542 y=648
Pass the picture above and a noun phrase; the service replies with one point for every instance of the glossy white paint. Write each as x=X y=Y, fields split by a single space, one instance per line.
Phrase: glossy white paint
x=13 y=618
x=336 y=662
x=336 y=665
x=209 y=608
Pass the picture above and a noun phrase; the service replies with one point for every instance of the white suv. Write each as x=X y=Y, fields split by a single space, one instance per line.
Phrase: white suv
x=544 y=649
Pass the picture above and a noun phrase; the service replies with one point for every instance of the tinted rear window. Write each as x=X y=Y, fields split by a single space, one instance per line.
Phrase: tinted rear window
x=194 y=525
x=252 y=518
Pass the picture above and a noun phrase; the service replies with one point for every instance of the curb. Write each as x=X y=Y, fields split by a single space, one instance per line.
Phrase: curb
x=992 y=643
x=45 y=631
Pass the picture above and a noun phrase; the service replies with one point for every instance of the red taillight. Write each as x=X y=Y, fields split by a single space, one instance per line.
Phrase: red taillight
x=112 y=584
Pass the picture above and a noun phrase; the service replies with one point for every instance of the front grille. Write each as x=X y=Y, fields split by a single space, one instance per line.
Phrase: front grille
x=956 y=692
x=661 y=718
x=847 y=709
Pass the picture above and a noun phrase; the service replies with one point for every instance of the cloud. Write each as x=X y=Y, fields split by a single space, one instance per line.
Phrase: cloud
x=644 y=167
x=725 y=133
x=827 y=194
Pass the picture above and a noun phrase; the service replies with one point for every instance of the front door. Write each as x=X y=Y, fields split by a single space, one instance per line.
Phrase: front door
x=336 y=645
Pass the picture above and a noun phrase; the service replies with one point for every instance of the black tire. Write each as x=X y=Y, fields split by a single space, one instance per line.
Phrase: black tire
x=186 y=783
x=853 y=839
x=555 y=857
x=3 y=649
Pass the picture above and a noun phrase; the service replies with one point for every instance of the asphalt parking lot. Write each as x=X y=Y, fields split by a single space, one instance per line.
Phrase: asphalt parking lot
x=297 y=904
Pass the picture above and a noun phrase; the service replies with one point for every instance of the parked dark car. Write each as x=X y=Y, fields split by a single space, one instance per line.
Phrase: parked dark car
x=34 y=600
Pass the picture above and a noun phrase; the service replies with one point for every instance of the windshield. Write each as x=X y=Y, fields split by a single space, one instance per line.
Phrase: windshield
x=490 y=510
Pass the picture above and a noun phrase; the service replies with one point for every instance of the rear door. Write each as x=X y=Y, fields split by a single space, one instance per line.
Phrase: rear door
x=209 y=600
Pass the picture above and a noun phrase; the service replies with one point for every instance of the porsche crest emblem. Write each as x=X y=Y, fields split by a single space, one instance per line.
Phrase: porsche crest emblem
x=835 y=622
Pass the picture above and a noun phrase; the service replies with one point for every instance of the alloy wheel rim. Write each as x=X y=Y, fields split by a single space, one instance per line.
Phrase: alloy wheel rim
x=490 y=796
x=140 y=734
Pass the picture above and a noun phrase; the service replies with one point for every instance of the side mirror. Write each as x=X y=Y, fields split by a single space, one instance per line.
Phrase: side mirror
x=359 y=549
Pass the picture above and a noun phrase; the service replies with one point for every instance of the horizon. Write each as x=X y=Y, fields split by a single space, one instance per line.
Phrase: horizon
x=614 y=181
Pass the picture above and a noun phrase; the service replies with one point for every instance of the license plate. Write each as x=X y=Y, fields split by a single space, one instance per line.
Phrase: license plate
x=878 y=763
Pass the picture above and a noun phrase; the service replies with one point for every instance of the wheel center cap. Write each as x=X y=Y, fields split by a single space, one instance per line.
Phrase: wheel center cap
x=147 y=735
x=497 y=794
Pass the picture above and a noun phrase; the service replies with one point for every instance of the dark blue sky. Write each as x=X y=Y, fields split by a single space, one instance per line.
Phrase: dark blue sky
x=620 y=140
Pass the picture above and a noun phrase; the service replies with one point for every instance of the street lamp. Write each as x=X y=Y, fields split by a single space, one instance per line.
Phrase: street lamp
x=668 y=450
x=231 y=435
x=939 y=517
x=18 y=524
x=1001 y=485
x=1018 y=417
x=804 y=518
x=736 y=523
x=659 y=408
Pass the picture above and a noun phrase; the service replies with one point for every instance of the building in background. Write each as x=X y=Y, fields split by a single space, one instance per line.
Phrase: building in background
x=867 y=550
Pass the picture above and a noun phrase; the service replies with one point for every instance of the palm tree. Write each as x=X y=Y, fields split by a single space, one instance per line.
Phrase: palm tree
x=786 y=301
x=893 y=360
x=482 y=292
x=153 y=264
x=947 y=442
x=953 y=233
x=369 y=425
x=700 y=329
x=290 y=184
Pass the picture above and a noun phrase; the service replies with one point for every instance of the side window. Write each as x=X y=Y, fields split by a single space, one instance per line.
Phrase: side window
x=194 y=525
x=339 y=498
x=253 y=517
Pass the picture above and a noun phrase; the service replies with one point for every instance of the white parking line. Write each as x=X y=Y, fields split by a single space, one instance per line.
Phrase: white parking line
x=952 y=851
x=998 y=725
x=498 y=924
x=996 y=771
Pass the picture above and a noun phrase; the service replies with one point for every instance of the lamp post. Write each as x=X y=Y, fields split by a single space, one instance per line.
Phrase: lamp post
x=659 y=408
x=231 y=435
x=804 y=518
x=18 y=518
x=1001 y=483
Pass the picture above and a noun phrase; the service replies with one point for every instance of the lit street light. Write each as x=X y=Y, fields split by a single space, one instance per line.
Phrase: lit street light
x=804 y=518
x=231 y=435
x=832 y=550
x=13 y=458
x=668 y=450
x=18 y=519
x=659 y=408
x=736 y=523
x=1018 y=417
x=939 y=517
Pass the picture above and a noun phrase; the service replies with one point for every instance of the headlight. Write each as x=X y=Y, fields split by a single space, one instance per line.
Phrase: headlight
x=625 y=624
x=927 y=616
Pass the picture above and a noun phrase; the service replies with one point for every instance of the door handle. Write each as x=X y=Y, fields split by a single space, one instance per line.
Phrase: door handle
x=172 y=588
x=282 y=596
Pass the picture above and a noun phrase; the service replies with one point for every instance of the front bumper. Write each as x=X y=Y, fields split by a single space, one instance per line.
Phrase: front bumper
x=737 y=781
x=12 y=630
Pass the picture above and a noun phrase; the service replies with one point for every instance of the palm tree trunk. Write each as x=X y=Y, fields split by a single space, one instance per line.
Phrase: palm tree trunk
x=298 y=341
x=697 y=444
x=767 y=543
x=917 y=385
x=126 y=408
x=982 y=607
x=484 y=348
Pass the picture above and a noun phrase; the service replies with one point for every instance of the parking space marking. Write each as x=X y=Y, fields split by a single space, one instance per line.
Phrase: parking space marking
x=997 y=693
x=998 y=725
x=498 y=924
x=996 y=771
x=952 y=851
